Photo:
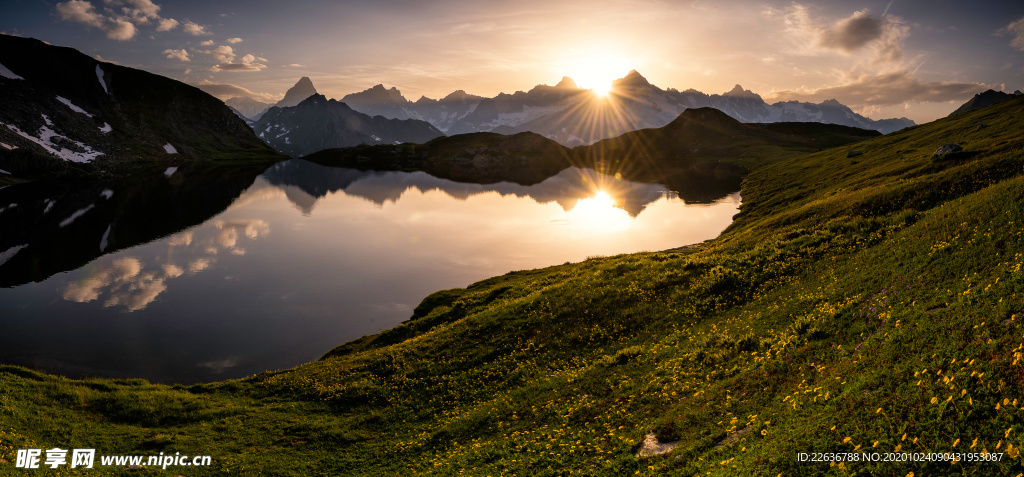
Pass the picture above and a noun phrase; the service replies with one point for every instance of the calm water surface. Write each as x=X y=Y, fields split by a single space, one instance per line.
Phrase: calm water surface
x=304 y=259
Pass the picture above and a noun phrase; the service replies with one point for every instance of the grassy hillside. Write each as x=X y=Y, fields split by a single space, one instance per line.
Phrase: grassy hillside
x=858 y=304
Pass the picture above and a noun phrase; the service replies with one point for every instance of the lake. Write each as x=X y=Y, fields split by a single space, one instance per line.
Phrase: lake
x=193 y=275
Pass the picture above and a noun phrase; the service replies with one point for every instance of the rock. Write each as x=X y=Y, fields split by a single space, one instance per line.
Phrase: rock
x=650 y=446
x=853 y=153
x=948 y=149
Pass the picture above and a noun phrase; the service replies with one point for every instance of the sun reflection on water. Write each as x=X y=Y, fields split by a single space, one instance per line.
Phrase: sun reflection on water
x=599 y=214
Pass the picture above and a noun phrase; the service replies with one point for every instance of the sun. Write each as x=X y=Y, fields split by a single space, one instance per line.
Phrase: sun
x=596 y=72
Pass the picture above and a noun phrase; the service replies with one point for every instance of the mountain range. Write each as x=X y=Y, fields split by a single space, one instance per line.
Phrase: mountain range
x=319 y=123
x=575 y=116
x=62 y=112
x=702 y=146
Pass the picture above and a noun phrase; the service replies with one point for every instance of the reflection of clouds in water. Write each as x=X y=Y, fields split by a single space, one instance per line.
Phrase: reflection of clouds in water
x=173 y=271
x=181 y=240
x=199 y=265
x=127 y=283
x=230 y=230
x=136 y=294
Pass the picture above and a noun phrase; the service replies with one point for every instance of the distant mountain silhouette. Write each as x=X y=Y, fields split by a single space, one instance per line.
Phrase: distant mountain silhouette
x=524 y=158
x=573 y=116
x=298 y=93
x=983 y=99
x=248 y=107
x=318 y=123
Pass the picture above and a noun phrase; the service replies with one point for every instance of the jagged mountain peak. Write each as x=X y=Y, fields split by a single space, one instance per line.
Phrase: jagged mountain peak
x=738 y=92
x=633 y=78
x=833 y=103
x=303 y=89
x=567 y=83
x=376 y=95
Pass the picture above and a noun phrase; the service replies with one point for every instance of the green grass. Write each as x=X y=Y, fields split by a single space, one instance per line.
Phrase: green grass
x=870 y=303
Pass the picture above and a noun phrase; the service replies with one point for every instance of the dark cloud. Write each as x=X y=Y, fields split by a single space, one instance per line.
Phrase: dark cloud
x=885 y=89
x=850 y=34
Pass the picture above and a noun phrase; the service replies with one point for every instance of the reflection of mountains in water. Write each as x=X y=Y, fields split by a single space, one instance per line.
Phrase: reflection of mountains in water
x=305 y=182
x=54 y=226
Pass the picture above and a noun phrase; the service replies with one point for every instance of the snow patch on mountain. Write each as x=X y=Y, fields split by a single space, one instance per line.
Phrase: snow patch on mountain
x=6 y=73
x=7 y=146
x=170 y=171
x=99 y=76
x=103 y=241
x=74 y=108
x=9 y=253
x=106 y=128
x=45 y=139
x=170 y=149
x=78 y=213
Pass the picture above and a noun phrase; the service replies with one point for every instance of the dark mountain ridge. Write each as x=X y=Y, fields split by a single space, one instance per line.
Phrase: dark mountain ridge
x=318 y=123
x=64 y=113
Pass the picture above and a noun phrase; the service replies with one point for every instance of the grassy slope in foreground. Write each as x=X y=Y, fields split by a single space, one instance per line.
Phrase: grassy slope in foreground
x=859 y=304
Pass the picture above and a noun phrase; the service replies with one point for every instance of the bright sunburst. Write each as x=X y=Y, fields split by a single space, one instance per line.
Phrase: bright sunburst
x=597 y=72
x=599 y=214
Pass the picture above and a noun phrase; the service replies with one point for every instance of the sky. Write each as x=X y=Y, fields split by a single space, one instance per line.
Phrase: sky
x=888 y=58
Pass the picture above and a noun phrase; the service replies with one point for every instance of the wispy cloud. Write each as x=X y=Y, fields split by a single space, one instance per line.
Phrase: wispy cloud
x=233 y=40
x=226 y=91
x=883 y=89
x=194 y=29
x=120 y=18
x=1016 y=30
x=167 y=24
x=180 y=55
x=248 y=63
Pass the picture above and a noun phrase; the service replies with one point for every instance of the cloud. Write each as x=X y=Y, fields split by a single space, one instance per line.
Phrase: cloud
x=1017 y=30
x=125 y=281
x=850 y=34
x=119 y=29
x=180 y=55
x=227 y=91
x=233 y=40
x=195 y=29
x=224 y=54
x=249 y=63
x=295 y=65
x=120 y=24
x=207 y=43
x=141 y=11
x=883 y=89
x=861 y=30
x=80 y=12
x=167 y=24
